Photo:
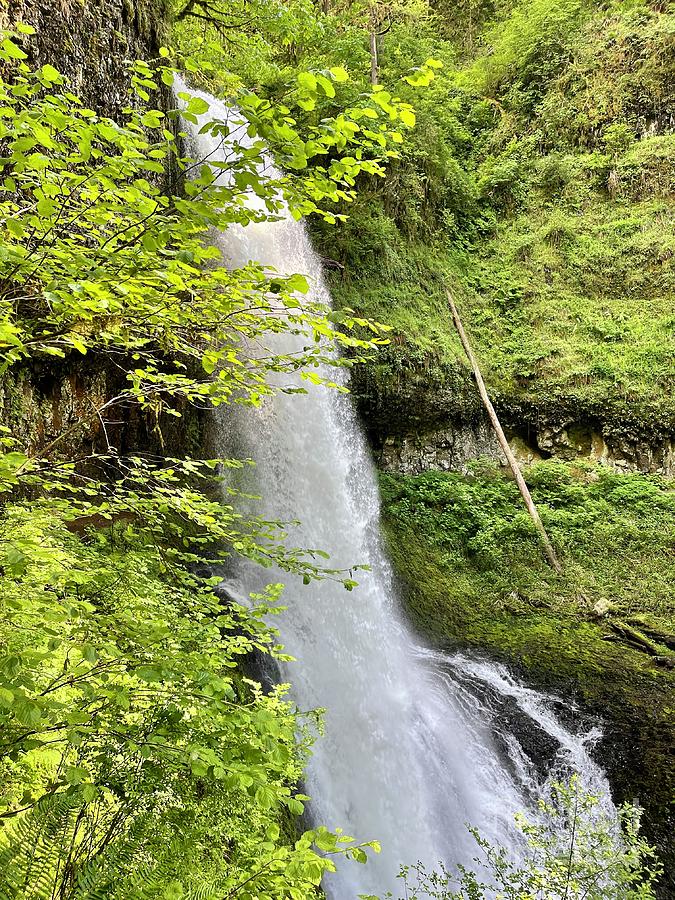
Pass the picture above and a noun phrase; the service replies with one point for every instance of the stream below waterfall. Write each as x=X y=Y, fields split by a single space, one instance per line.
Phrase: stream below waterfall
x=416 y=742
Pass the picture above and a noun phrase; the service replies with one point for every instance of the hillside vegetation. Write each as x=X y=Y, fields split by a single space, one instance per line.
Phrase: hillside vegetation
x=602 y=633
x=539 y=186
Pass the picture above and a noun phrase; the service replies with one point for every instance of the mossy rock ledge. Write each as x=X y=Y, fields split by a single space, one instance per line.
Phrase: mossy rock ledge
x=52 y=405
x=421 y=414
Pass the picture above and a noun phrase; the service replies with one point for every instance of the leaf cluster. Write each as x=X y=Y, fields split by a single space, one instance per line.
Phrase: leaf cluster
x=139 y=759
x=573 y=850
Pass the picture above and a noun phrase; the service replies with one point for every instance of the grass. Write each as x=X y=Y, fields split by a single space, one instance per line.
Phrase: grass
x=615 y=534
x=548 y=210
x=580 y=303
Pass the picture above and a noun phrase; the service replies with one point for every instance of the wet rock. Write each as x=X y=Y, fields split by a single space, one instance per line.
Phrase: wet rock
x=539 y=747
x=628 y=452
x=603 y=607
x=421 y=415
x=453 y=444
x=56 y=402
x=451 y=449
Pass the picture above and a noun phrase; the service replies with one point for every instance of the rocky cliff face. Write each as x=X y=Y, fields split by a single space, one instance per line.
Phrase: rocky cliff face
x=419 y=420
x=91 y=42
x=55 y=402
x=453 y=446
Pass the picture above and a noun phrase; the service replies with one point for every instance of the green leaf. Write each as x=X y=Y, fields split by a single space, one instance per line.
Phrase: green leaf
x=149 y=673
x=11 y=51
x=6 y=697
x=152 y=119
x=209 y=361
x=295 y=807
x=27 y=712
x=407 y=117
x=75 y=774
x=13 y=460
x=307 y=81
x=77 y=343
x=266 y=796
x=46 y=208
x=298 y=283
x=198 y=768
x=89 y=792
x=17 y=561
x=197 y=106
x=326 y=85
x=325 y=841
x=50 y=74
x=339 y=74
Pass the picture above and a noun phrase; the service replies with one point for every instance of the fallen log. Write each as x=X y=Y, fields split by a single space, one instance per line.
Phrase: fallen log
x=633 y=636
x=546 y=544
x=656 y=634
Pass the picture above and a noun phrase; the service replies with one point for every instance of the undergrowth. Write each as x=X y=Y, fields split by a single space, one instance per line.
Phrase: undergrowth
x=472 y=575
x=615 y=534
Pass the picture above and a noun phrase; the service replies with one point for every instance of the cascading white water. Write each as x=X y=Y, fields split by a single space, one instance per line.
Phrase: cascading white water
x=409 y=754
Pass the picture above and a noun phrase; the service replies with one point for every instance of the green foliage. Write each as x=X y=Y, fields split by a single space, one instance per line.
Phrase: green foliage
x=97 y=258
x=525 y=50
x=538 y=184
x=473 y=575
x=622 y=75
x=128 y=732
x=567 y=295
x=572 y=850
x=614 y=532
x=138 y=760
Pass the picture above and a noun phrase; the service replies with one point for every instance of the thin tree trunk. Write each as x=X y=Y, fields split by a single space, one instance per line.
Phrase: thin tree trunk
x=503 y=443
x=373 y=54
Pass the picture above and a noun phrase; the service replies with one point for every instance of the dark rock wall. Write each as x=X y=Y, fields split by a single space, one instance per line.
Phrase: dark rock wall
x=91 y=41
x=69 y=406
x=54 y=402
x=418 y=420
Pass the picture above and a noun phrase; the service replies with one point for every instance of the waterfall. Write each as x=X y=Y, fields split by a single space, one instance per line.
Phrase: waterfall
x=411 y=750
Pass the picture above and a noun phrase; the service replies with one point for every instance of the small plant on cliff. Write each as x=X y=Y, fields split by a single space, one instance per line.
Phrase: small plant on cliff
x=573 y=851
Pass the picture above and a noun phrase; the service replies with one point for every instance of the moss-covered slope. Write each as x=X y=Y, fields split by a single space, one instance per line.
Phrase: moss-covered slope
x=602 y=633
x=539 y=187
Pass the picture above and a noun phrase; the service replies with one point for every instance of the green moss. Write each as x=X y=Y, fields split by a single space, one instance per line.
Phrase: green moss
x=474 y=576
x=555 y=304
x=615 y=533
